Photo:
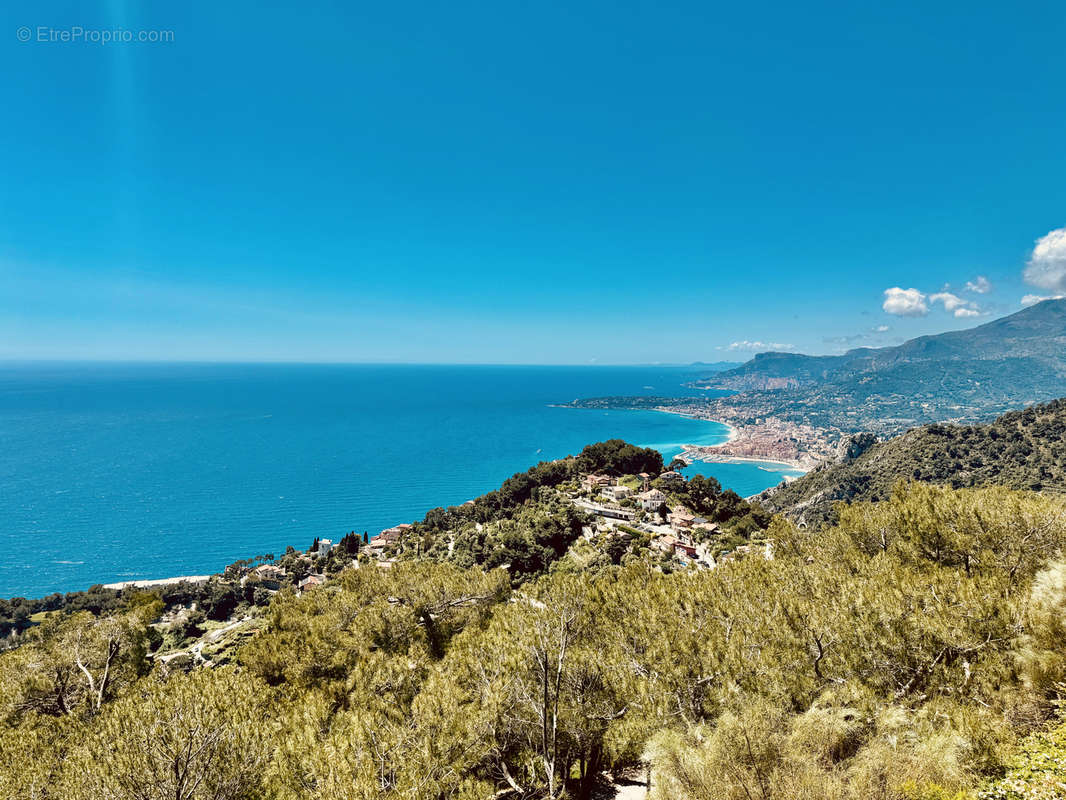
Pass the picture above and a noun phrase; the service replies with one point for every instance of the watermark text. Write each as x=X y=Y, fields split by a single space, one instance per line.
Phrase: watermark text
x=77 y=34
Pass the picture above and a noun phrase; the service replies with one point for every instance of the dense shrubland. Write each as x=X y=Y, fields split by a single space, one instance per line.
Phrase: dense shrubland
x=914 y=650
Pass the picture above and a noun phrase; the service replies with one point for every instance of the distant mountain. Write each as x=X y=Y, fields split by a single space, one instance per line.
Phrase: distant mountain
x=1037 y=332
x=968 y=375
x=1020 y=450
x=780 y=371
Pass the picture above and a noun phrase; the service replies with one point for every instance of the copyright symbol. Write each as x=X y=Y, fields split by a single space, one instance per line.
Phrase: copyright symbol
x=23 y=34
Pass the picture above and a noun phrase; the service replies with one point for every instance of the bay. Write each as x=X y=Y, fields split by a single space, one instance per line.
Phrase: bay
x=112 y=472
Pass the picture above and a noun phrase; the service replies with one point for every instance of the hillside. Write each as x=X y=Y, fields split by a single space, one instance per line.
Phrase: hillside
x=912 y=652
x=1020 y=450
x=965 y=376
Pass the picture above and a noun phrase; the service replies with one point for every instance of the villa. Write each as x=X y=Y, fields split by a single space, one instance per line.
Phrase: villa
x=270 y=575
x=311 y=581
x=594 y=482
x=652 y=500
x=684 y=551
x=395 y=533
x=682 y=519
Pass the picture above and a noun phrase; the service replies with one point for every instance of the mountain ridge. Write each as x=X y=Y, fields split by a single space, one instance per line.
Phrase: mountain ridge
x=971 y=375
x=1032 y=331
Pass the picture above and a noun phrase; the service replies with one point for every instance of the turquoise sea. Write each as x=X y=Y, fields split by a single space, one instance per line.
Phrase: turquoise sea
x=114 y=472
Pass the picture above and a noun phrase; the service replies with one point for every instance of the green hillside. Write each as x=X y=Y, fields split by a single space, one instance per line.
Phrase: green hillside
x=914 y=651
x=1020 y=450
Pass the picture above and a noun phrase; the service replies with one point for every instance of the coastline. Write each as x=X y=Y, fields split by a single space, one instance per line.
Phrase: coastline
x=732 y=433
x=157 y=582
x=173 y=562
x=690 y=453
x=703 y=452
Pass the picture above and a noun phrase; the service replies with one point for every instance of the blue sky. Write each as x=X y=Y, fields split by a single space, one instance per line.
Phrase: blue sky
x=554 y=182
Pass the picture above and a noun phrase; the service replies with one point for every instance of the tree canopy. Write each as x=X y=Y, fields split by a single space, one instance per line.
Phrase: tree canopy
x=915 y=649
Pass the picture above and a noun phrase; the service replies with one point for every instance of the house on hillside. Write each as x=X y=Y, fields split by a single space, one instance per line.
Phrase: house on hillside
x=672 y=477
x=594 y=482
x=665 y=543
x=617 y=492
x=684 y=551
x=681 y=520
x=324 y=546
x=652 y=500
x=311 y=581
x=269 y=572
x=395 y=533
x=270 y=576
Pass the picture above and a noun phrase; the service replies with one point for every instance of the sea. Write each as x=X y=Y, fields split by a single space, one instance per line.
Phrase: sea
x=119 y=472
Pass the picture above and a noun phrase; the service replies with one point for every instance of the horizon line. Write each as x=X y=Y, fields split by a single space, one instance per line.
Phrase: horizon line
x=22 y=361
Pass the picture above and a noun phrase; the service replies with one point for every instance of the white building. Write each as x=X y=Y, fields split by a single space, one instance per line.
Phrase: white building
x=653 y=500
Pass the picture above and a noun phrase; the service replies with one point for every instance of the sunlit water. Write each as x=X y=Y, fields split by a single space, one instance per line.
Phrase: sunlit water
x=119 y=472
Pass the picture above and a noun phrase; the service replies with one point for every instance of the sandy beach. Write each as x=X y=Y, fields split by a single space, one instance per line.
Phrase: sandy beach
x=706 y=454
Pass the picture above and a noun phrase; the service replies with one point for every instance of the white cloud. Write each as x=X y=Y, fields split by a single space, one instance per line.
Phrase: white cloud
x=950 y=301
x=1047 y=262
x=979 y=285
x=914 y=303
x=1033 y=299
x=880 y=329
x=905 y=302
x=761 y=346
x=955 y=304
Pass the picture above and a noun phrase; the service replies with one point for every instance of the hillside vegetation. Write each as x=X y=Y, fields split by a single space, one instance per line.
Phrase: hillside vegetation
x=914 y=650
x=1020 y=450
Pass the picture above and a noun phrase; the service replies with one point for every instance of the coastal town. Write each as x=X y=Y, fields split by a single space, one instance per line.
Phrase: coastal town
x=756 y=432
x=772 y=439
